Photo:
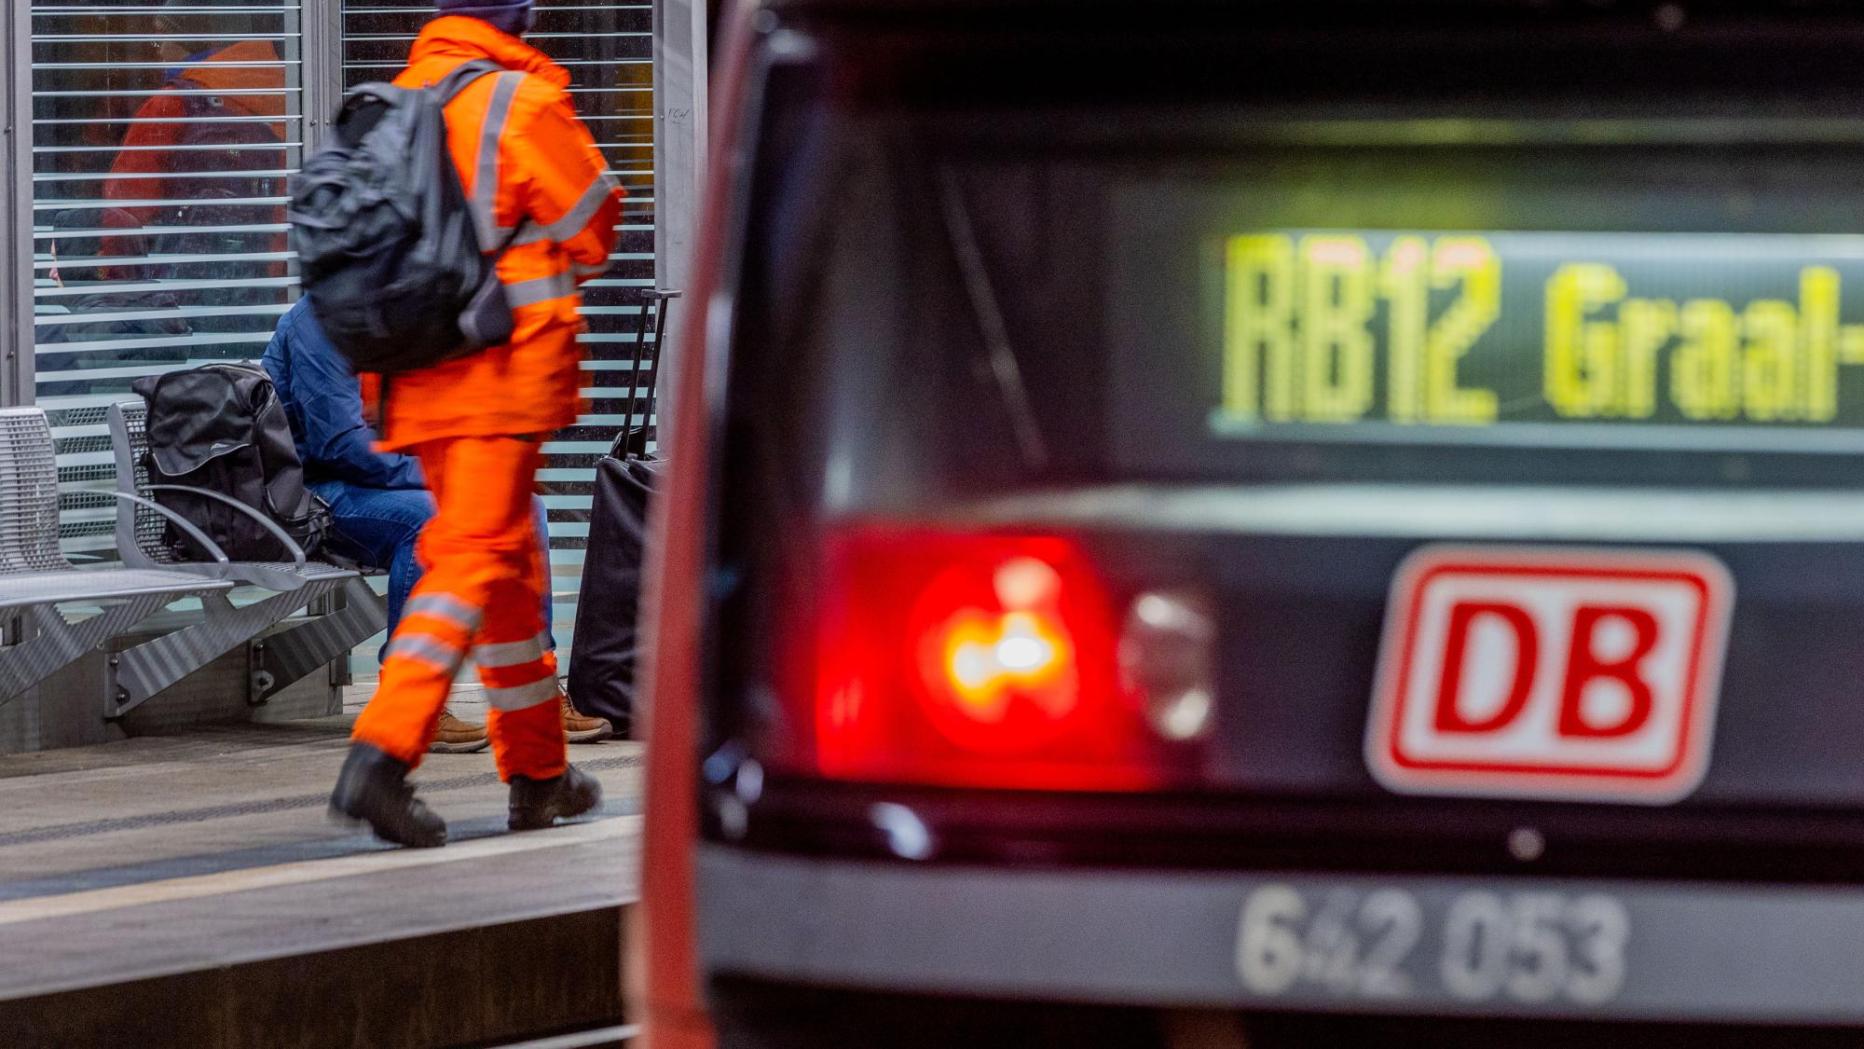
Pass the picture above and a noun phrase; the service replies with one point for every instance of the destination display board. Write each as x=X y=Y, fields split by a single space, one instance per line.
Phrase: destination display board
x=1634 y=314
x=1420 y=328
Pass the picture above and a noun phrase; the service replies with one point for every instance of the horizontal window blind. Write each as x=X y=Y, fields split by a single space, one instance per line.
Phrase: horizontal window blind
x=163 y=133
x=607 y=47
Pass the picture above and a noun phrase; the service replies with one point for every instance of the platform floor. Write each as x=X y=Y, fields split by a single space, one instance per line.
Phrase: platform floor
x=162 y=856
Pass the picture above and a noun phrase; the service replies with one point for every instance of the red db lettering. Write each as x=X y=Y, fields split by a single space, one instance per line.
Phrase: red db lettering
x=1583 y=666
x=1570 y=674
x=1450 y=716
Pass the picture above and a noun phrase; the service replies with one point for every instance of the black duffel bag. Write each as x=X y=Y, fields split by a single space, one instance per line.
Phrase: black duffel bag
x=221 y=429
x=608 y=638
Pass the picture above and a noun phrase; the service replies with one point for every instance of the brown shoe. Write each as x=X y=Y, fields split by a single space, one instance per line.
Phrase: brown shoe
x=581 y=729
x=458 y=737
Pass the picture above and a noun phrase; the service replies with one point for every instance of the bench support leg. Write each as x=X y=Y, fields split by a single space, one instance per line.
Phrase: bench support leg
x=351 y=615
x=137 y=674
x=53 y=643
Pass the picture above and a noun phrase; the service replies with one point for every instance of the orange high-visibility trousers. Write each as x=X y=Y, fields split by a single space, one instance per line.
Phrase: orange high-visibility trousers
x=480 y=595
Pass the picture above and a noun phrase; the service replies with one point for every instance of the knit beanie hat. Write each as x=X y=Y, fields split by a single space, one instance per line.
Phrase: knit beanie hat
x=512 y=16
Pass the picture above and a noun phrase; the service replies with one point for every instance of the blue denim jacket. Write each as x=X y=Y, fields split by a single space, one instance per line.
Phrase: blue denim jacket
x=323 y=400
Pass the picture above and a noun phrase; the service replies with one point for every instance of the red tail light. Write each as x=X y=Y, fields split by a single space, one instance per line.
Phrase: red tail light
x=973 y=661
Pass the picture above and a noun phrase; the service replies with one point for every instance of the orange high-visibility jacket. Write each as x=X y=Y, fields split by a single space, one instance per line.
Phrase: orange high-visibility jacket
x=148 y=168
x=535 y=172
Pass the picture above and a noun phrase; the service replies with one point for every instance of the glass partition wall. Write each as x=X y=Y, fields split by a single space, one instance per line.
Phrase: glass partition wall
x=163 y=133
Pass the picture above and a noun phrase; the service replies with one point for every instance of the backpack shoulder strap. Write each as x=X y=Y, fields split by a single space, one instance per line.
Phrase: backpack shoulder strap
x=463 y=75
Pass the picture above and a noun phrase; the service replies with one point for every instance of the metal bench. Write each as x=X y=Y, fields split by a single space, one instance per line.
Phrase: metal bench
x=36 y=640
x=342 y=611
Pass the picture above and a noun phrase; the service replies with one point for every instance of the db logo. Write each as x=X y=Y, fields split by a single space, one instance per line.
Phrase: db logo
x=1550 y=673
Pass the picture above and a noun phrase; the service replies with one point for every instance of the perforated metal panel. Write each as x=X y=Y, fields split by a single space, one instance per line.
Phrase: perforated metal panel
x=150 y=527
x=28 y=494
x=86 y=475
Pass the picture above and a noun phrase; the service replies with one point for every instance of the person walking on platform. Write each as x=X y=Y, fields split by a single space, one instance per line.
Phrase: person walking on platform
x=379 y=502
x=476 y=424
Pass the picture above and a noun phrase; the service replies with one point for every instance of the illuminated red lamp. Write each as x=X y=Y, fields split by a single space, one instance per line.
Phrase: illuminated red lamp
x=980 y=661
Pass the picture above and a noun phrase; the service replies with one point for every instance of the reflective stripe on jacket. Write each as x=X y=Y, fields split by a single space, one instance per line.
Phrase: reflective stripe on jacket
x=540 y=184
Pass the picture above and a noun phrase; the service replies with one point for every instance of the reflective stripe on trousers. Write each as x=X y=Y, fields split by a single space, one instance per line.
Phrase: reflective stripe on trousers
x=483 y=570
x=511 y=653
x=447 y=607
x=522 y=697
x=431 y=650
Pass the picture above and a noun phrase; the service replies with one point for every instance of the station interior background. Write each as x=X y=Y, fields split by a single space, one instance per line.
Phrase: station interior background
x=163 y=135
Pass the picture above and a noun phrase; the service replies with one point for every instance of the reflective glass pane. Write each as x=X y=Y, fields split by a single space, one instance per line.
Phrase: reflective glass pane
x=163 y=134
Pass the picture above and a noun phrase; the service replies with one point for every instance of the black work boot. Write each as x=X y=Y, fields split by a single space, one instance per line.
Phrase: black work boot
x=373 y=788
x=537 y=803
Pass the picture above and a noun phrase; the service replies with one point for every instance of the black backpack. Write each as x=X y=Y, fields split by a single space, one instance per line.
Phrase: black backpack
x=386 y=241
x=221 y=427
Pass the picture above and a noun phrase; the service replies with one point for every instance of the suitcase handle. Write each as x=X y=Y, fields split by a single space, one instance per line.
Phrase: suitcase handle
x=644 y=381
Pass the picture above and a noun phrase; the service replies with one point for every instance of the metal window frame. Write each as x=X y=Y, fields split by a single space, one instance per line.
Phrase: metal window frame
x=321 y=84
x=682 y=64
x=16 y=375
x=321 y=44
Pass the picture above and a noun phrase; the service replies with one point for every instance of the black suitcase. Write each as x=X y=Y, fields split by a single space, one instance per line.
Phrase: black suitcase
x=603 y=659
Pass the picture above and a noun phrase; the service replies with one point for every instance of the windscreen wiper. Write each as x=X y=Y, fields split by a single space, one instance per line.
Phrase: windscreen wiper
x=1001 y=361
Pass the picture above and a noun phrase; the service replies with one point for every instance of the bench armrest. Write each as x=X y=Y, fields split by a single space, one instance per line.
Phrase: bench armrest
x=187 y=526
x=291 y=546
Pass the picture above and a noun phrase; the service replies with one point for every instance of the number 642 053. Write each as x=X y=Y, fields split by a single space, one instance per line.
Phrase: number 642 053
x=1476 y=946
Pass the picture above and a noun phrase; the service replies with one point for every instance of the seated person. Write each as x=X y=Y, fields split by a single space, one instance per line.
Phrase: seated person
x=378 y=501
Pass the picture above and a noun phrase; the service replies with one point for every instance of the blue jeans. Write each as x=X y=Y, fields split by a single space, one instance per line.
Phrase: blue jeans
x=377 y=528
